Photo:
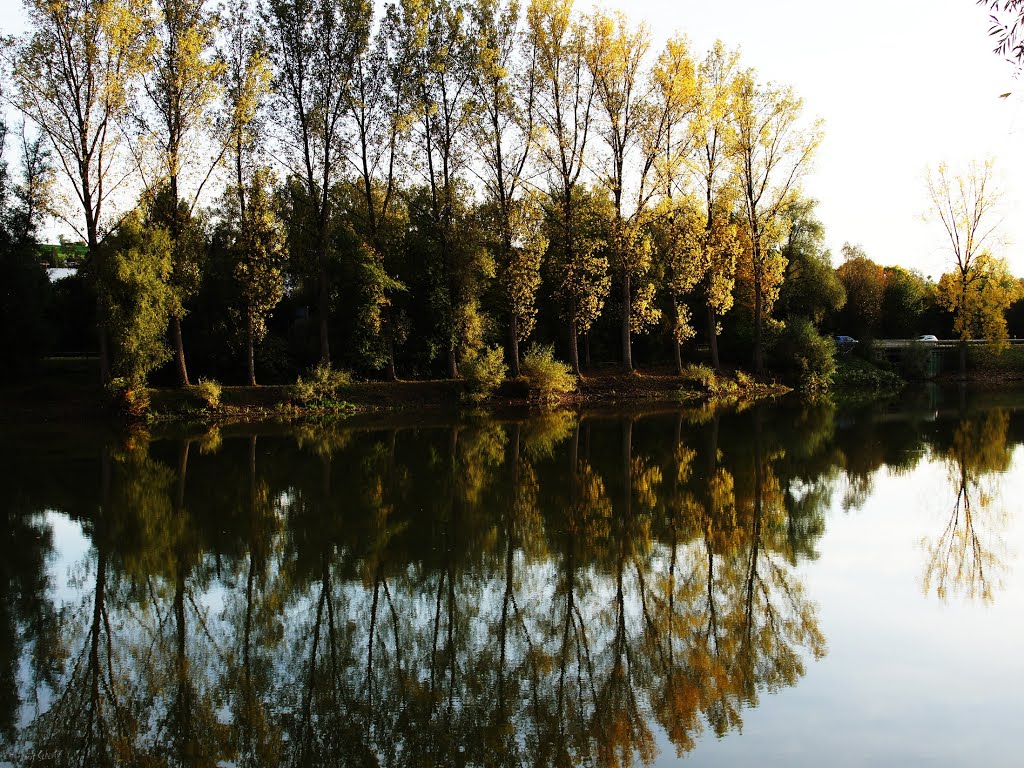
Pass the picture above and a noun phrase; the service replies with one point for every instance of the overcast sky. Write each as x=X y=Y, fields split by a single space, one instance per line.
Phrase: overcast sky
x=900 y=85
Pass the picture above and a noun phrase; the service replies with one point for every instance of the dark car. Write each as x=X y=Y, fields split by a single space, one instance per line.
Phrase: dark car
x=845 y=343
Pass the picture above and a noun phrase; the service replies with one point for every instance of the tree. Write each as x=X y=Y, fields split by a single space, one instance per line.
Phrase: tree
x=615 y=54
x=181 y=83
x=136 y=297
x=577 y=255
x=979 y=302
x=966 y=204
x=864 y=283
x=254 y=237
x=505 y=86
x=811 y=288
x=712 y=137
x=380 y=111
x=564 y=97
x=678 y=228
x=436 y=33
x=903 y=303
x=455 y=269
x=24 y=287
x=314 y=48
x=771 y=154
x=250 y=230
x=75 y=75
x=1006 y=24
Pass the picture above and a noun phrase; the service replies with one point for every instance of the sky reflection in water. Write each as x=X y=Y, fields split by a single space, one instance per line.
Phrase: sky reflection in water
x=778 y=585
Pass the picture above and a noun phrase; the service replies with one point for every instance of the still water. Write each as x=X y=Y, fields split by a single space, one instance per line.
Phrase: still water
x=786 y=585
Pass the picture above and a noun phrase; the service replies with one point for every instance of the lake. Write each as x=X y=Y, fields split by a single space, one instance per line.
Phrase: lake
x=788 y=584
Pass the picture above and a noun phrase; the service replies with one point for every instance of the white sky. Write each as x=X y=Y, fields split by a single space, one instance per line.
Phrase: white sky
x=901 y=85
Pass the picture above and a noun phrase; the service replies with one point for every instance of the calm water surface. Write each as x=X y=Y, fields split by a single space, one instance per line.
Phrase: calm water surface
x=788 y=585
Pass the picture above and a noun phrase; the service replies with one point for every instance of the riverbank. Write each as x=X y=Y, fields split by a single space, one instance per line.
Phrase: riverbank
x=67 y=389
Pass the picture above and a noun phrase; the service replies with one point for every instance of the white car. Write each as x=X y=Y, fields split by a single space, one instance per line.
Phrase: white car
x=927 y=337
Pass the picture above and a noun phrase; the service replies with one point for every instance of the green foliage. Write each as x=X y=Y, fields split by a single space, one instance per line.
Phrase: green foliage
x=25 y=293
x=978 y=298
x=578 y=232
x=856 y=374
x=448 y=241
x=804 y=357
x=136 y=298
x=811 y=288
x=701 y=376
x=483 y=373
x=320 y=389
x=903 y=304
x=547 y=378
x=209 y=391
x=129 y=397
x=704 y=380
x=864 y=282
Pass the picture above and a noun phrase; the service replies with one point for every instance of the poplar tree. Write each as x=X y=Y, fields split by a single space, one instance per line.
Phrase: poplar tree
x=975 y=291
x=615 y=55
x=564 y=98
x=437 y=32
x=182 y=84
x=380 y=111
x=314 y=46
x=505 y=66
x=75 y=75
x=250 y=225
x=772 y=152
x=712 y=137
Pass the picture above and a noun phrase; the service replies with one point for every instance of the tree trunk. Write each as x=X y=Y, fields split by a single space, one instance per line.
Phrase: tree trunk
x=250 y=354
x=677 y=350
x=179 y=352
x=389 y=339
x=627 y=304
x=758 y=350
x=514 y=345
x=101 y=338
x=586 y=350
x=324 y=309
x=713 y=339
x=574 y=352
x=453 y=363
x=101 y=332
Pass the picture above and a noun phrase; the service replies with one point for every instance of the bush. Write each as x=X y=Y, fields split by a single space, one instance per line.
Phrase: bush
x=129 y=398
x=209 y=391
x=704 y=379
x=703 y=376
x=483 y=373
x=548 y=379
x=322 y=385
x=804 y=357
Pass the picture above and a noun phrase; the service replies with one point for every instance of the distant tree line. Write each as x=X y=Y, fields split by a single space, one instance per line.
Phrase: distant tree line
x=261 y=188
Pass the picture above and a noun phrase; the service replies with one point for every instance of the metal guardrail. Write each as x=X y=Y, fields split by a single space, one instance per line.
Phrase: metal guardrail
x=939 y=344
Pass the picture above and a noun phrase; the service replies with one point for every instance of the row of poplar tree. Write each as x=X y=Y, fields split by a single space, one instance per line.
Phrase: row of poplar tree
x=439 y=170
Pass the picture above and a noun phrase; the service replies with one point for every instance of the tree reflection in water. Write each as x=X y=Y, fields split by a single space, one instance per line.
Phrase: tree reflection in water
x=546 y=591
x=967 y=557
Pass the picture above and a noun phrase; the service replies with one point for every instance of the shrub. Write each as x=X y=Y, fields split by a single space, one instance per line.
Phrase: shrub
x=701 y=375
x=547 y=378
x=706 y=380
x=483 y=373
x=209 y=392
x=322 y=385
x=129 y=398
x=805 y=357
